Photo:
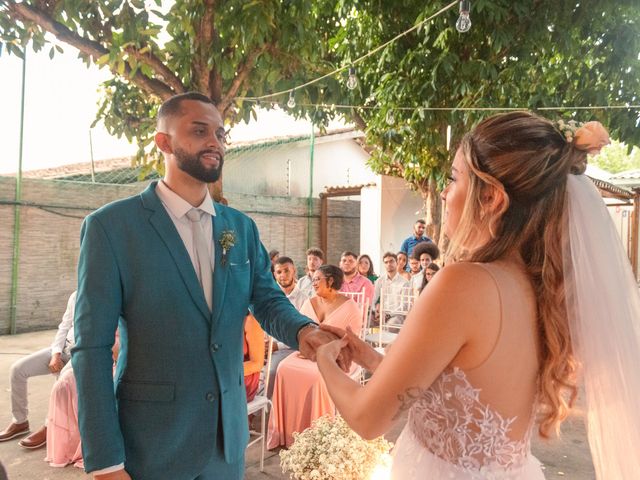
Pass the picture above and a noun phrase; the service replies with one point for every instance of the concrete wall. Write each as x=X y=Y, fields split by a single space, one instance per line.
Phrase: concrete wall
x=389 y=211
x=51 y=215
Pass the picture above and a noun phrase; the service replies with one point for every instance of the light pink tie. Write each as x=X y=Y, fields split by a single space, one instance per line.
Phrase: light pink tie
x=204 y=268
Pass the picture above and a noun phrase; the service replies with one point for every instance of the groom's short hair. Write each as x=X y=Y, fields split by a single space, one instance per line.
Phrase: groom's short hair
x=171 y=107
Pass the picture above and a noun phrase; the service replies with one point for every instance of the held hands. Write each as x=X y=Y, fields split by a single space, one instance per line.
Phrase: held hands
x=361 y=352
x=312 y=338
x=55 y=364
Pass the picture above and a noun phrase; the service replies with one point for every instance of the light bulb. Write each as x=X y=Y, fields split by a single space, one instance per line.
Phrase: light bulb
x=390 y=118
x=292 y=101
x=352 y=81
x=463 y=24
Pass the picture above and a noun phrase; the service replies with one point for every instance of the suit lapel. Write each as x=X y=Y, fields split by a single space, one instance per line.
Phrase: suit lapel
x=166 y=230
x=220 y=271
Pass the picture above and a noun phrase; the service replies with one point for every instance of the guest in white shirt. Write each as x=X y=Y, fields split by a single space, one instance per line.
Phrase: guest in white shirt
x=284 y=271
x=315 y=258
x=391 y=283
x=48 y=360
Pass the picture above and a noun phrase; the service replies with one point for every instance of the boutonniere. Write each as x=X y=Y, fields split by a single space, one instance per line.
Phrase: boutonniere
x=227 y=241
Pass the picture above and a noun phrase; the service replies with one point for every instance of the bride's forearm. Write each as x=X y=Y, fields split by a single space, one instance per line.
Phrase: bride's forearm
x=348 y=396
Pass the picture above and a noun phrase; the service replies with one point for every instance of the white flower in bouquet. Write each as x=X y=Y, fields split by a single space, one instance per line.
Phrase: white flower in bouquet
x=330 y=450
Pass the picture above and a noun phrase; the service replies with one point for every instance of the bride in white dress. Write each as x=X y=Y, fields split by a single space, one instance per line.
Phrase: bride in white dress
x=492 y=350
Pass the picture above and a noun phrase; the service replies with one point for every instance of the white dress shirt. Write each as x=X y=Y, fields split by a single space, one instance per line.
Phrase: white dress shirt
x=392 y=285
x=297 y=297
x=64 y=336
x=177 y=207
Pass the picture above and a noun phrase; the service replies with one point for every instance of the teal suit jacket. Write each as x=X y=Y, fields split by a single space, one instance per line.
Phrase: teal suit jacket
x=179 y=376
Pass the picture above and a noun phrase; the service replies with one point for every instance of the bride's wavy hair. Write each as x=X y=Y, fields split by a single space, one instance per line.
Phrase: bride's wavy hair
x=528 y=159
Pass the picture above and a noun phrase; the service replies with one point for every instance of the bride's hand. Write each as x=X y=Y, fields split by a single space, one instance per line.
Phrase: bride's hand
x=362 y=353
x=331 y=351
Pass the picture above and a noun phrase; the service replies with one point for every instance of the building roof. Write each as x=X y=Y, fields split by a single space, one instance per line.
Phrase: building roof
x=124 y=169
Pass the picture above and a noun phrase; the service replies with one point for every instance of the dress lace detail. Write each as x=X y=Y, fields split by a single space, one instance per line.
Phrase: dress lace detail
x=450 y=421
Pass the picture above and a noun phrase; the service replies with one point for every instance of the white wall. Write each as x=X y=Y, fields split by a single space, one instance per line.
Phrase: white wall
x=388 y=212
x=284 y=170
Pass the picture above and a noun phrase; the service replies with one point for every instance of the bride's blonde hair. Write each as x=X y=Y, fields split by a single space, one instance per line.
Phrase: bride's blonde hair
x=527 y=159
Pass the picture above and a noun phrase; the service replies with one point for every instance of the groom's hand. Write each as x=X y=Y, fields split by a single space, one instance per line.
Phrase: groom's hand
x=311 y=338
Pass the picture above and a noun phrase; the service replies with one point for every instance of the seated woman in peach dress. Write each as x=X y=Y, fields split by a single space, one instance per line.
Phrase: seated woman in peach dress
x=63 y=435
x=300 y=395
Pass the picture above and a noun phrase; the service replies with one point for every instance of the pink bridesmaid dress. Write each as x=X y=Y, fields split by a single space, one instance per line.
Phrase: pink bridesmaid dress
x=300 y=394
x=63 y=435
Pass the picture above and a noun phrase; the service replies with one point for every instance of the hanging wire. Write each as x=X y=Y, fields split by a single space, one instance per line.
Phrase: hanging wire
x=467 y=109
x=356 y=61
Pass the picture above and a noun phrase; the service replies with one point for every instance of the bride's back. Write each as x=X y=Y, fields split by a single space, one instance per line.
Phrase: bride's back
x=478 y=413
x=502 y=361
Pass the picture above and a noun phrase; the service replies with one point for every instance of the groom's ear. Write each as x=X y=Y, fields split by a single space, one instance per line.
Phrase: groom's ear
x=163 y=142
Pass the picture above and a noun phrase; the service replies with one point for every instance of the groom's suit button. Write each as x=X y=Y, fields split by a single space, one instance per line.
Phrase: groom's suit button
x=215 y=347
x=210 y=397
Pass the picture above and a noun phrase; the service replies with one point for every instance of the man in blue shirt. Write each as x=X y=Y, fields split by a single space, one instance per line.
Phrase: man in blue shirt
x=418 y=236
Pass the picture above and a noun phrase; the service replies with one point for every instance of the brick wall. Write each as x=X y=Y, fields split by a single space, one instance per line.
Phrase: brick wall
x=52 y=213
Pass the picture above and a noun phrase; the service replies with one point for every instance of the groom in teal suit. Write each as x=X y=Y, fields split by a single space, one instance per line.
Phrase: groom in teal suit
x=175 y=408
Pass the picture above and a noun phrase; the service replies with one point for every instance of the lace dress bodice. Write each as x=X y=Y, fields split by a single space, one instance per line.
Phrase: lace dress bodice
x=450 y=433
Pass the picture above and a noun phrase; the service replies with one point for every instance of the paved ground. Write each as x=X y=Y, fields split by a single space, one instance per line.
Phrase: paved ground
x=566 y=458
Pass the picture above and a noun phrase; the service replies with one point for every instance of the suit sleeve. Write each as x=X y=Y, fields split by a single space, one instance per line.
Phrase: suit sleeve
x=98 y=308
x=276 y=314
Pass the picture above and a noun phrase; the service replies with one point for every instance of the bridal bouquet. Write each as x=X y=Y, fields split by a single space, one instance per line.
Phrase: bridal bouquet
x=330 y=450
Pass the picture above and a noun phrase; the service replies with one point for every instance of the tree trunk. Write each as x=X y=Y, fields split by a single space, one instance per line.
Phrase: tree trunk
x=433 y=209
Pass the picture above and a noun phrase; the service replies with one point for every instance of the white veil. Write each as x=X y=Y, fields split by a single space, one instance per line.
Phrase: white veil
x=603 y=302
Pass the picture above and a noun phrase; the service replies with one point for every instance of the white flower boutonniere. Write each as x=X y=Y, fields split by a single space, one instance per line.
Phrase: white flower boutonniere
x=227 y=241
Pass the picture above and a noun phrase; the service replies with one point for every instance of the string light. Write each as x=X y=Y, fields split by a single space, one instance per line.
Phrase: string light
x=390 y=118
x=292 y=101
x=352 y=81
x=463 y=24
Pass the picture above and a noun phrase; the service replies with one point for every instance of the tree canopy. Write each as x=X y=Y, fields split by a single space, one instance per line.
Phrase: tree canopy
x=526 y=54
x=617 y=157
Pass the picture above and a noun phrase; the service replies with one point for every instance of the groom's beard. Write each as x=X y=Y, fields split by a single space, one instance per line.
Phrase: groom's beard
x=192 y=165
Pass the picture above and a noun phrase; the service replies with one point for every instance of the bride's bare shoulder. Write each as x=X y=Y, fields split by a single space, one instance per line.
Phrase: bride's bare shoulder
x=465 y=284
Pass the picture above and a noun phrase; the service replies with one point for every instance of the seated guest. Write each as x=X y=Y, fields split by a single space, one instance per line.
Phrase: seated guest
x=63 y=435
x=253 y=355
x=285 y=273
x=300 y=395
x=48 y=360
x=428 y=274
x=365 y=268
x=414 y=266
x=353 y=281
x=426 y=253
x=403 y=266
x=392 y=284
x=315 y=258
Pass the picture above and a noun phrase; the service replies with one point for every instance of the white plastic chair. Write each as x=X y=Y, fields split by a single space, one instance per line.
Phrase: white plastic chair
x=261 y=403
x=393 y=302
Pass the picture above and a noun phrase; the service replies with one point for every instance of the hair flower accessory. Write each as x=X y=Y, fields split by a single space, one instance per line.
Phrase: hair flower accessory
x=591 y=137
x=227 y=241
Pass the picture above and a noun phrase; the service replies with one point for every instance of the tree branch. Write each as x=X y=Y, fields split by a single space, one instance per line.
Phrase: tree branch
x=241 y=76
x=27 y=13
x=148 y=58
x=204 y=39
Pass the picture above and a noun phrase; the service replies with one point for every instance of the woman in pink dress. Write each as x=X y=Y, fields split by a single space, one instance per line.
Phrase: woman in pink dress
x=300 y=395
x=63 y=435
